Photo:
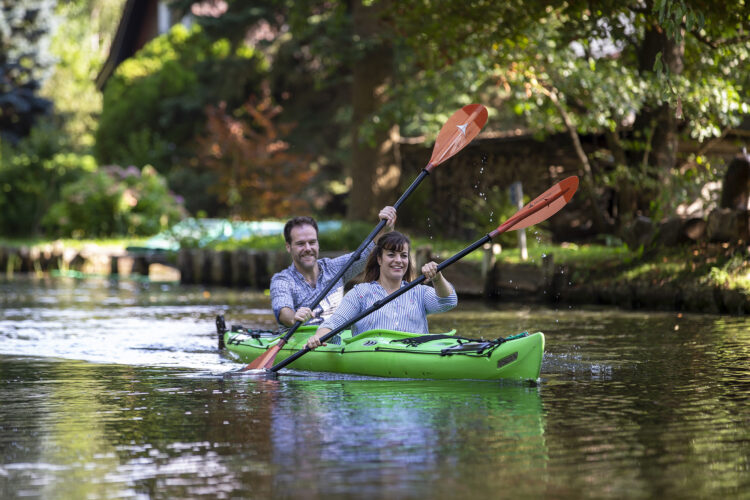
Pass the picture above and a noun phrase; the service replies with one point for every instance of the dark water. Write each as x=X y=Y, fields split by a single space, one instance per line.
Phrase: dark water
x=116 y=390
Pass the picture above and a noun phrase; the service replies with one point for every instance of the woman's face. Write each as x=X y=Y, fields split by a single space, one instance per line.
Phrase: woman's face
x=393 y=263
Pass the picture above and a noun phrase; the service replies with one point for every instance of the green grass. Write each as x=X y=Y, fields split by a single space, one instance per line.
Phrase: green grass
x=72 y=243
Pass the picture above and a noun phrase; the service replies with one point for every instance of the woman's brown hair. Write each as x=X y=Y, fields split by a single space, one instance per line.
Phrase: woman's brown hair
x=390 y=241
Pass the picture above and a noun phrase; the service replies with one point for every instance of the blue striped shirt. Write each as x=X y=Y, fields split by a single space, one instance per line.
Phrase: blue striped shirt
x=289 y=288
x=405 y=313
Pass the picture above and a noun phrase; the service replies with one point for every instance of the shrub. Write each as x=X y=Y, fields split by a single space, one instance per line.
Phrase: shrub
x=114 y=201
x=32 y=174
x=257 y=174
x=153 y=105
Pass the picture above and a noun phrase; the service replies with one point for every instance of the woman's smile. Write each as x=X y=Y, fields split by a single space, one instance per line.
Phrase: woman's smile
x=393 y=263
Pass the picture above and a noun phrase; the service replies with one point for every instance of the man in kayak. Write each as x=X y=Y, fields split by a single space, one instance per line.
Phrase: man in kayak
x=295 y=287
x=388 y=269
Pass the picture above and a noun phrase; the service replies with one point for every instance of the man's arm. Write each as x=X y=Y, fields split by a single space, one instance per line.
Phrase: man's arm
x=388 y=213
x=286 y=316
x=282 y=300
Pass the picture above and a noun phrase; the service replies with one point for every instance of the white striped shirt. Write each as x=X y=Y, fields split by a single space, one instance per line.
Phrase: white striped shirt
x=405 y=313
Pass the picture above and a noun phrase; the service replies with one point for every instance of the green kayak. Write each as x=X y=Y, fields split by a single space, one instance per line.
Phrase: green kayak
x=387 y=353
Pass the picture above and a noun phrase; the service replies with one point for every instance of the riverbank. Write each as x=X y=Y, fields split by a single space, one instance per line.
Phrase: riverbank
x=706 y=278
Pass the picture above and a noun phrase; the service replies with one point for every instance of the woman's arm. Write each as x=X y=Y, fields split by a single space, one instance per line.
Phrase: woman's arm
x=349 y=308
x=442 y=286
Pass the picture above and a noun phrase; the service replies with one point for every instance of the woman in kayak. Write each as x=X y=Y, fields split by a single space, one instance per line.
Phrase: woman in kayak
x=388 y=269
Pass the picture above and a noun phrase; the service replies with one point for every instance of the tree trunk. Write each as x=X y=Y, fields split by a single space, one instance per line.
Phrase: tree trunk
x=657 y=124
x=374 y=171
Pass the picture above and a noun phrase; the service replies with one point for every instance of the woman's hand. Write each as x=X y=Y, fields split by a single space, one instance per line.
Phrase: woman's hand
x=442 y=287
x=430 y=271
x=314 y=340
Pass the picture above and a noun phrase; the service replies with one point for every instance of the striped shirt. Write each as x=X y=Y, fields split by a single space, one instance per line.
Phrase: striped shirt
x=405 y=313
x=289 y=288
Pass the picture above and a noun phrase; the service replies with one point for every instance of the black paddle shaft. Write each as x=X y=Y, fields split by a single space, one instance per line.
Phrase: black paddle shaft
x=358 y=252
x=377 y=305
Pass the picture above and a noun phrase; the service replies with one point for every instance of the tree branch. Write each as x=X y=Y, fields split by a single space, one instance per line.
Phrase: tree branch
x=588 y=176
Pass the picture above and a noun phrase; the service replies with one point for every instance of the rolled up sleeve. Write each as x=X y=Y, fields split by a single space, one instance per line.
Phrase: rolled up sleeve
x=281 y=294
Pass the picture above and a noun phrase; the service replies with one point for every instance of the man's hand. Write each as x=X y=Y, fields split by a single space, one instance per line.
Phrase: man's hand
x=388 y=214
x=303 y=314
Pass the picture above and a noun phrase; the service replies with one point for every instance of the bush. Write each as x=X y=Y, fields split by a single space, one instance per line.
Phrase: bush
x=31 y=177
x=153 y=105
x=114 y=201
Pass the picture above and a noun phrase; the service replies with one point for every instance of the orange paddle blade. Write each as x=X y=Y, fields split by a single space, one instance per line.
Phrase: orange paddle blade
x=265 y=360
x=458 y=131
x=542 y=207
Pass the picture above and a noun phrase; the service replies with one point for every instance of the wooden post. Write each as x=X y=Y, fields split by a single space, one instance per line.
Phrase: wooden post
x=516 y=197
x=491 y=251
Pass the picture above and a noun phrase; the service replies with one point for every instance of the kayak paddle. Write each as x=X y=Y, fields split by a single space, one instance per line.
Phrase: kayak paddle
x=541 y=208
x=456 y=133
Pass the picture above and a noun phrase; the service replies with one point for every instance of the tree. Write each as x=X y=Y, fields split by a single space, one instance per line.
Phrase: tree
x=25 y=63
x=643 y=74
x=154 y=105
x=80 y=41
x=372 y=161
x=257 y=175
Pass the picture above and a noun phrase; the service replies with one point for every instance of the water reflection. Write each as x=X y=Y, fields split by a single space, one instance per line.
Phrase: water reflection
x=404 y=436
x=110 y=431
x=116 y=390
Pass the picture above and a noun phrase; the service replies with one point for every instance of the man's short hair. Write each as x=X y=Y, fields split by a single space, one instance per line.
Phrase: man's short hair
x=298 y=221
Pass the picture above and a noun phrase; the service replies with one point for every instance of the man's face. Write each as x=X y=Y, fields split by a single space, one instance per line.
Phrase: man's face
x=304 y=247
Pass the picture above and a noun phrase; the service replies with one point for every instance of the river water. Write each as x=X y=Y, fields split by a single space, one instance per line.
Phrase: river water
x=117 y=390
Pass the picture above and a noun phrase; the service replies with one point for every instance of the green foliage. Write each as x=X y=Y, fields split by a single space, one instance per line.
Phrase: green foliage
x=484 y=212
x=275 y=242
x=32 y=174
x=587 y=69
x=114 y=201
x=733 y=273
x=153 y=104
x=346 y=238
x=71 y=86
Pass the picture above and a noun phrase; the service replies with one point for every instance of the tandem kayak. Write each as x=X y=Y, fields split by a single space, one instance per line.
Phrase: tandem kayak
x=388 y=353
